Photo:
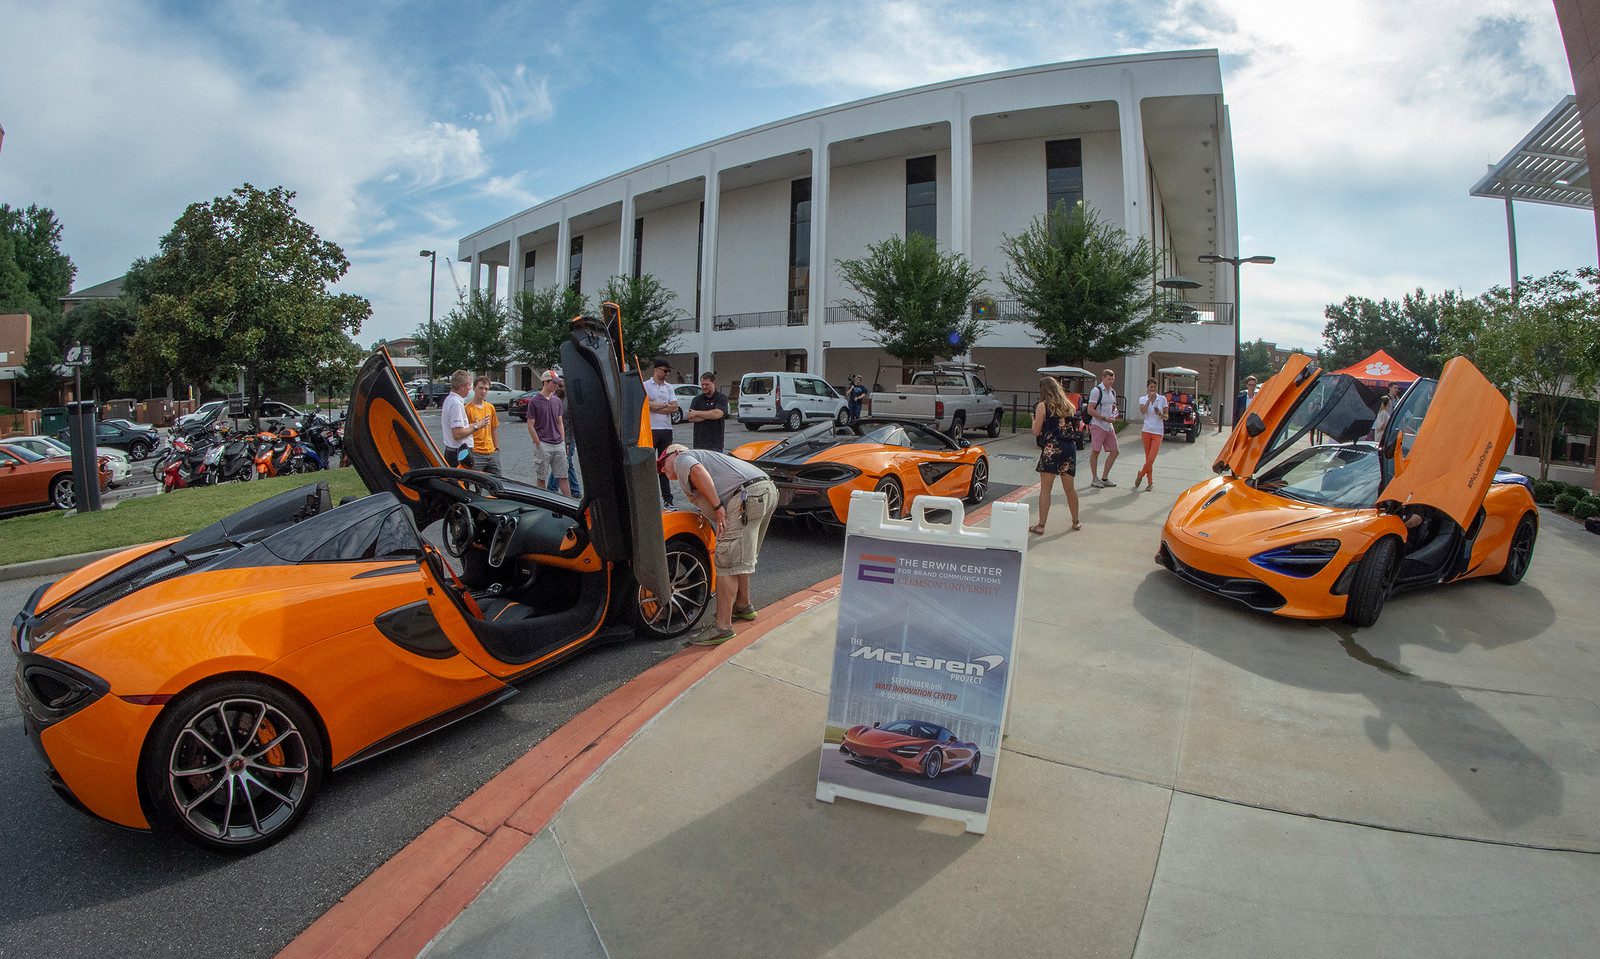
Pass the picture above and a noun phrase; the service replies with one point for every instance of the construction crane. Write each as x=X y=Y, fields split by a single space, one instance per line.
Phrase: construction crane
x=460 y=294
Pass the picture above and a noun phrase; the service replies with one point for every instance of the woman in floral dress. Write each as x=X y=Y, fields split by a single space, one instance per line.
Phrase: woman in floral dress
x=1055 y=425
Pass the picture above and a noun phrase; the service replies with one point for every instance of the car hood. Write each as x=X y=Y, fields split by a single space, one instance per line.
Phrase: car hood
x=883 y=738
x=1226 y=512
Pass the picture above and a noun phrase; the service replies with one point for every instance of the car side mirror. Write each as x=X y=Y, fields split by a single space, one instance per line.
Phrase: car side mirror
x=964 y=443
x=874 y=725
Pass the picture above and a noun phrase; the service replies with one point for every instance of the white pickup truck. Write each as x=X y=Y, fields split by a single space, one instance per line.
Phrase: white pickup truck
x=952 y=398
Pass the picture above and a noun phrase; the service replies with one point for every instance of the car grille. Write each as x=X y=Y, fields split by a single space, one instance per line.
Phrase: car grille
x=1253 y=593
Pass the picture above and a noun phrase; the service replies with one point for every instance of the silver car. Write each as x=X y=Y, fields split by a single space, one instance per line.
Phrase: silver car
x=50 y=446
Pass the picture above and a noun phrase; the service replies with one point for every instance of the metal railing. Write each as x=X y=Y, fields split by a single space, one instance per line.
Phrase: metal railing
x=1170 y=311
x=746 y=321
x=839 y=314
x=687 y=324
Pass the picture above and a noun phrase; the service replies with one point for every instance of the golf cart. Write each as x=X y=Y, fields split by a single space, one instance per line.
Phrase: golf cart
x=1074 y=379
x=1180 y=385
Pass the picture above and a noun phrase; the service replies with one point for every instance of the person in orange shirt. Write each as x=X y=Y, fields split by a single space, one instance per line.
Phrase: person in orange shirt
x=485 y=441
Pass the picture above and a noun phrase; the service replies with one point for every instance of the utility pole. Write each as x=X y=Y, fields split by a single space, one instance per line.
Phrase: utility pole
x=433 y=274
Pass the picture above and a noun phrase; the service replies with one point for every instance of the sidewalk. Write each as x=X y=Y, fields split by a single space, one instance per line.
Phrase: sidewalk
x=1181 y=777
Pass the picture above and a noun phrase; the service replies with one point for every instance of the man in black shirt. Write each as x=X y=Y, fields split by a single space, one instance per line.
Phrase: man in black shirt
x=708 y=412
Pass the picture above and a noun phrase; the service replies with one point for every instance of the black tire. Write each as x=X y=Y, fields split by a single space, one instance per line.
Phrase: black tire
x=62 y=495
x=993 y=430
x=271 y=742
x=842 y=418
x=138 y=450
x=1373 y=581
x=932 y=764
x=958 y=425
x=1519 y=555
x=1190 y=436
x=972 y=767
x=690 y=570
x=890 y=487
x=794 y=420
x=979 y=487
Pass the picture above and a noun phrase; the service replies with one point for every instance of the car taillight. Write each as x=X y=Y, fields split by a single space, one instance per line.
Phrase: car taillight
x=938 y=409
x=777 y=396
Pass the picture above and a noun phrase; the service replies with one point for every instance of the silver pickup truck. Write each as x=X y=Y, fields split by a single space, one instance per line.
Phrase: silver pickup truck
x=952 y=398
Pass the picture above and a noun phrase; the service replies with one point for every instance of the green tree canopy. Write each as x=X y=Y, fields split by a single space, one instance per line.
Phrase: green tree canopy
x=105 y=326
x=649 y=320
x=1084 y=284
x=540 y=320
x=1255 y=359
x=1541 y=344
x=242 y=282
x=915 y=300
x=35 y=249
x=471 y=337
x=1407 y=328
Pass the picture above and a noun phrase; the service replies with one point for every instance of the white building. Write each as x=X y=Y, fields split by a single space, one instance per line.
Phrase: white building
x=735 y=227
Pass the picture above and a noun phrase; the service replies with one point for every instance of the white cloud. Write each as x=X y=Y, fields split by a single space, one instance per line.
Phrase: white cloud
x=514 y=101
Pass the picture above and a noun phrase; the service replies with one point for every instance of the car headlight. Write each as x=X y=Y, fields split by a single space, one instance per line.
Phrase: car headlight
x=1302 y=560
x=907 y=751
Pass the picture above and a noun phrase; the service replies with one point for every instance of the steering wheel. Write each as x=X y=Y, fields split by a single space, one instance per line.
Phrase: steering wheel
x=458 y=529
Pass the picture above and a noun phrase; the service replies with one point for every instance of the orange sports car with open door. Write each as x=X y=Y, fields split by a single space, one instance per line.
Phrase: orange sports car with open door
x=207 y=685
x=1323 y=531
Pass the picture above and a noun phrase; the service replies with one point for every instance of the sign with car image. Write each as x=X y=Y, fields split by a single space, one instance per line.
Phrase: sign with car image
x=923 y=658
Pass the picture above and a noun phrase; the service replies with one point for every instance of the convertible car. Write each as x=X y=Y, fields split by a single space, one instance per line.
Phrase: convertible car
x=817 y=469
x=206 y=686
x=1323 y=531
x=911 y=746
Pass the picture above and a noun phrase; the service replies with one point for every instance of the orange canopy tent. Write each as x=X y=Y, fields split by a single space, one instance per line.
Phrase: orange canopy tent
x=1379 y=369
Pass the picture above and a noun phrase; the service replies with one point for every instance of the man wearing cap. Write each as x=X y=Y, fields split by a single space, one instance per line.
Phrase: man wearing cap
x=662 y=405
x=548 y=433
x=739 y=500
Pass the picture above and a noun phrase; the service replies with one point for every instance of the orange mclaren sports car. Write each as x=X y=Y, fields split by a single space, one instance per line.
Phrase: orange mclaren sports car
x=206 y=686
x=817 y=469
x=911 y=746
x=1323 y=531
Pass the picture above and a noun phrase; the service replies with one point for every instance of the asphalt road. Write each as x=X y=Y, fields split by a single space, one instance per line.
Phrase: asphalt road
x=75 y=886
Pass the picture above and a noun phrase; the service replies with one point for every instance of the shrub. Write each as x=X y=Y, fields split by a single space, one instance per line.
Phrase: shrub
x=1565 y=503
x=1587 y=508
x=1544 y=492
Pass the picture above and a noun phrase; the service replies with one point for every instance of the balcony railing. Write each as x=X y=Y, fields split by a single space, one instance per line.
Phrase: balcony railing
x=748 y=321
x=1169 y=311
x=838 y=314
x=687 y=324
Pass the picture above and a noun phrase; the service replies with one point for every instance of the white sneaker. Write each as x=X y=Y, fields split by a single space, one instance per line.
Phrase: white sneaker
x=1096 y=483
x=1107 y=482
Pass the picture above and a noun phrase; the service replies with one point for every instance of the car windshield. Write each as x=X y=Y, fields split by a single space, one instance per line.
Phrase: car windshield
x=1345 y=477
x=45 y=446
x=907 y=727
x=25 y=454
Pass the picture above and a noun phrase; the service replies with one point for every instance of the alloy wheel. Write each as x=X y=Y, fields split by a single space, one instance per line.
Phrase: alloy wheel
x=62 y=494
x=238 y=770
x=890 y=488
x=691 y=594
x=980 y=481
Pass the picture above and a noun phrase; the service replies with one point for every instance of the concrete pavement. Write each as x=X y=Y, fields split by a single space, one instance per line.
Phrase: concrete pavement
x=1182 y=777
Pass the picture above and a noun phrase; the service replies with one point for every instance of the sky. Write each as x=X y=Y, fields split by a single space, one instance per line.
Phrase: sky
x=1358 y=125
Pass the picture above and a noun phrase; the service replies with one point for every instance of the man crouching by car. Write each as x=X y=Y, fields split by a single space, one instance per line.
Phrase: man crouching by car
x=739 y=500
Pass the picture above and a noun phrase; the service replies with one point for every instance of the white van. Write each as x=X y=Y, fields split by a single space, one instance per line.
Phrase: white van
x=790 y=399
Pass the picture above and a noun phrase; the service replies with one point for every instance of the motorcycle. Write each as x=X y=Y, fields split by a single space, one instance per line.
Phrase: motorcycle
x=282 y=454
x=322 y=441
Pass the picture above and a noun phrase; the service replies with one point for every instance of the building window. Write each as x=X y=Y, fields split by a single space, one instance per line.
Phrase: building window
x=799 y=246
x=922 y=198
x=575 y=264
x=527 y=270
x=638 y=247
x=1063 y=173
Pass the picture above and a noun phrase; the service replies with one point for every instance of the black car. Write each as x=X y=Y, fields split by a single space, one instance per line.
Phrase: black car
x=137 y=441
x=518 y=407
x=429 y=394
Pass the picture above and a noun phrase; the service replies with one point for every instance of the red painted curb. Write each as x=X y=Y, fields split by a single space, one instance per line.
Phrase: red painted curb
x=410 y=899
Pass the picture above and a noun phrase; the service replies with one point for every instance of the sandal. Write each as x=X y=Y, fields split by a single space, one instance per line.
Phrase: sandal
x=1036 y=530
x=1077 y=526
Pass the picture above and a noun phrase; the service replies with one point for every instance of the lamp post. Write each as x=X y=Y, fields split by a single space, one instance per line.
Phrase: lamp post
x=433 y=274
x=1237 y=262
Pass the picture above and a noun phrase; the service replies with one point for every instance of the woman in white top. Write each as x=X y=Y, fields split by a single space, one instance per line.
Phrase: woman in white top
x=1154 y=407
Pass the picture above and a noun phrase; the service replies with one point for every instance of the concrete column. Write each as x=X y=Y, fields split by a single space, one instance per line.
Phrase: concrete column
x=514 y=271
x=494 y=281
x=708 y=267
x=563 y=248
x=625 y=251
x=960 y=239
x=476 y=273
x=1135 y=210
x=821 y=177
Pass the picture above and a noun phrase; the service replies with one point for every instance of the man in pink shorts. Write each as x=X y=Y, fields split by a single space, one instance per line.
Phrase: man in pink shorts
x=1101 y=405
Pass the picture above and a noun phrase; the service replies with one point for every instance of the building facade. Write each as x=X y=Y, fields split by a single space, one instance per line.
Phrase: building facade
x=747 y=230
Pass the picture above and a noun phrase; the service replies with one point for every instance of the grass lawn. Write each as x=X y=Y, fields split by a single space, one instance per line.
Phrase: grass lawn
x=147 y=518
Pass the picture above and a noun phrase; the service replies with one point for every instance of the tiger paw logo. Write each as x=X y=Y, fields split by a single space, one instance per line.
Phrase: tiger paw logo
x=1379 y=368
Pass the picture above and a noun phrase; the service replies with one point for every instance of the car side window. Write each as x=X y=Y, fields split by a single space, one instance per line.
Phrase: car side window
x=106 y=429
x=6 y=459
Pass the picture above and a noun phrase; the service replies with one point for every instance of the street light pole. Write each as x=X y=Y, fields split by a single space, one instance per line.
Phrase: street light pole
x=433 y=274
x=1237 y=262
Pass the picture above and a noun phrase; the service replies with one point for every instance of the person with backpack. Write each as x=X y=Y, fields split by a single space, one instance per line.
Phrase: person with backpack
x=1055 y=429
x=1101 y=405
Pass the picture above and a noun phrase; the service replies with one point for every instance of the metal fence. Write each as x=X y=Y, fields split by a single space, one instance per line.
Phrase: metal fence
x=687 y=324
x=746 y=321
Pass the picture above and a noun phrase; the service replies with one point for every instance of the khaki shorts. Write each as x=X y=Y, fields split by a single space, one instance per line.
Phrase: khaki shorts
x=741 y=540
x=547 y=459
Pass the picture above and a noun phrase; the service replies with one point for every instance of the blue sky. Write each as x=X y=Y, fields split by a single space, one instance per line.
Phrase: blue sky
x=1358 y=125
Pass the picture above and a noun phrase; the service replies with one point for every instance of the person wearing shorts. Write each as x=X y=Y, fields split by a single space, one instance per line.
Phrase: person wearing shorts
x=486 y=441
x=548 y=433
x=1101 y=404
x=1154 y=407
x=739 y=500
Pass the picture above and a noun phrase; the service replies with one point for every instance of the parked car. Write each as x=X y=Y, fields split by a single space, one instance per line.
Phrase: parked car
x=517 y=409
x=950 y=397
x=29 y=481
x=429 y=394
x=204 y=413
x=136 y=442
x=273 y=414
x=788 y=399
x=1318 y=532
x=684 y=393
x=50 y=446
x=208 y=686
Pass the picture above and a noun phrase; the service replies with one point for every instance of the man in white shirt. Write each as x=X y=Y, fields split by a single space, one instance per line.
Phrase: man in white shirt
x=1101 y=403
x=453 y=422
x=663 y=403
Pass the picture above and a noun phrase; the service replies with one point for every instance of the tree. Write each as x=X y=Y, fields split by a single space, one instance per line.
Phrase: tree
x=105 y=326
x=241 y=281
x=1255 y=359
x=1084 y=284
x=35 y=249
x=472 y=337
x=1408 y=330
x=40 y=381
x=541 y=320
x=649 y=320
x=915 y=300
x=1540 y=344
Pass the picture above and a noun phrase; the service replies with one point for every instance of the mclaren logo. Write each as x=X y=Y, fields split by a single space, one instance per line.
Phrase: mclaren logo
x=955 y=667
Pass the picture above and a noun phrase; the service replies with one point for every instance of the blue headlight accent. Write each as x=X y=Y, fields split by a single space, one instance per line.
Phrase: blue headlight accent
x=1302 y=560
x=1507 y=476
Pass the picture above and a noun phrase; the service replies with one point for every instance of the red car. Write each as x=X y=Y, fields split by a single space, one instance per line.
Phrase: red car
x=29 y=481
x=911 y=746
